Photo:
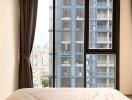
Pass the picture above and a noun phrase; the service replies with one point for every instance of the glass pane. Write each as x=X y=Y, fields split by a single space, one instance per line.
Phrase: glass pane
x=101 y=70
x=100 y=24
x=41 y=57
x=69 y=43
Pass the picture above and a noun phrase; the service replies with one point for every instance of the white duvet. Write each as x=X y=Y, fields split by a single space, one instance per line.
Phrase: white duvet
x=67 y=94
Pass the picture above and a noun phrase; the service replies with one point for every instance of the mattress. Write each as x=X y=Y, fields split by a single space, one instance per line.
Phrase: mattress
x=67 y=94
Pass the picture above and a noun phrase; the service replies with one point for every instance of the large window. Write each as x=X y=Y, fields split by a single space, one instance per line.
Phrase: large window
x=83 y=44
x=86 y=42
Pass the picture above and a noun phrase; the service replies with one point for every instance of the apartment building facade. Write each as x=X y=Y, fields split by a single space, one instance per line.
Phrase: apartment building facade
x=69 y=44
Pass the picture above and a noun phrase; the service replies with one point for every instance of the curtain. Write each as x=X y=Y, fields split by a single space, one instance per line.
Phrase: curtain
x=28 y=16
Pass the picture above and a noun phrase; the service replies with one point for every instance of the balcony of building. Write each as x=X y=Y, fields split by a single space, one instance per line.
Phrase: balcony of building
x=111 y=74
x=80 y=26
x=105 y=75
x=65 y=71
x=101 y=74
x=79 y=65
x=101 y=40
x=66 y=14
x=65 y=82
x=79 y=47
x=66 y=18
x=79 y=60
x=92 y=17
x=79 y=71
x=104 y=17
x=104 y=5
x=65 y=61
x=103 y=29
x=67 y=3
x=80 y=14
x=66 y=25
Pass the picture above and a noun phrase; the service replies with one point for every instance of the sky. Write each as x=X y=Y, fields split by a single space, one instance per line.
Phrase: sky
x=42 y=25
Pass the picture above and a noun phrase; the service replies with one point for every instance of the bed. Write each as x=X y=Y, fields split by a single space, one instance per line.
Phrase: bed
x=67 y=94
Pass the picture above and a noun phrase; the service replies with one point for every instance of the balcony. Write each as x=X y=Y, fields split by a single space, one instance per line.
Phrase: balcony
x=66 y=18
x=66 y=53
x=66 y=28
x=79 y=65
x=102 y=40
x=101 y=65
x=104 y=5
x=104 y=29
x=66 y=64
x=72 y=77
x=79 y=29
x=91 y=17
x=101 y=74
x=80 y=18
x=104 y=17
x=111 y=74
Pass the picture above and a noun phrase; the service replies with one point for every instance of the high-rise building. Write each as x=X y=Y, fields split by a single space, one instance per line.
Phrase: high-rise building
x=100 y=67
x=69 y=44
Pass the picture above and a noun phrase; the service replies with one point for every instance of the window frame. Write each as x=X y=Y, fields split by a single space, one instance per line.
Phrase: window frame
x=115 y=39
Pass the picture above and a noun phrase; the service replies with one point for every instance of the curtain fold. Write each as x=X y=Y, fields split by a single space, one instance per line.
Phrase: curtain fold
x=28 y=16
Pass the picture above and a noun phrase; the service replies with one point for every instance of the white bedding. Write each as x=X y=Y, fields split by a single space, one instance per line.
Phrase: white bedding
x=67 y=94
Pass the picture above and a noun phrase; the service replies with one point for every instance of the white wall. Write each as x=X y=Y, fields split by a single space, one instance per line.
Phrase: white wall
x=126 y=47
x=8 y=47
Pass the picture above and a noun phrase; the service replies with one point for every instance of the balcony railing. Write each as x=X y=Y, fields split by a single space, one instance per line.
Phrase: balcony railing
x=66 y=29
x=66 y=53
x=102 y=40
x=66 y=18
x=103 y=28
x=105 y=74
x=104 y=5
x=91 y=17
x=104 y=17
x=101 y=61
x=101 y=74
x=111 y=74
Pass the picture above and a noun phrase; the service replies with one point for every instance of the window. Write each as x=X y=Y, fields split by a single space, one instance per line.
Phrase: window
x=41 y=57
x=82 y=46
x=102 y=44
x=91 y=51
